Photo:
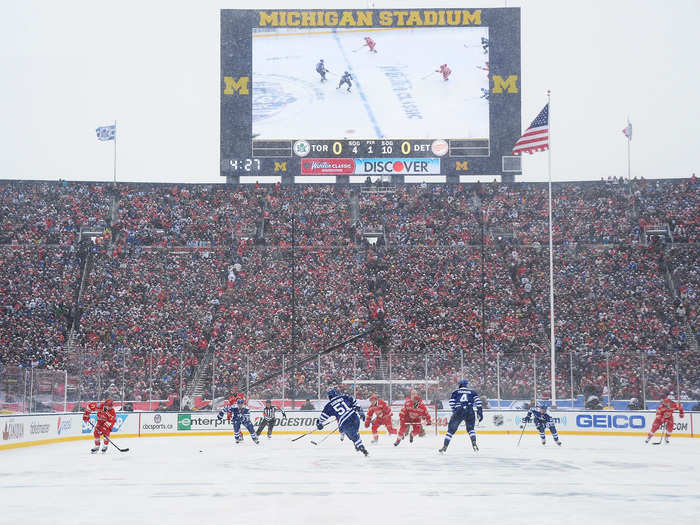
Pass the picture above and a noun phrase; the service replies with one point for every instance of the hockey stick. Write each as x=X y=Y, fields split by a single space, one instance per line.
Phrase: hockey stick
x=661 y=438
x=110 y=441
x=304 y=435
x=325 y=437
x=521 y=433
x=426 y=76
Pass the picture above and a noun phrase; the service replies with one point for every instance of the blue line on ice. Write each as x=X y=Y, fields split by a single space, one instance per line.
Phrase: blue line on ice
x=368 y=108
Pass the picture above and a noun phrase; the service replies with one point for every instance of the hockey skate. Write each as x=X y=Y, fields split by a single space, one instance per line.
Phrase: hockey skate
x=666 y=440
x=375 y=440
x=474 y=445
x=396 y=443
x=647 y=439
x=410 y=437
x=362 y=449
x=104 y=449
x=443 y=449
x=94 y=450
x=557 y=442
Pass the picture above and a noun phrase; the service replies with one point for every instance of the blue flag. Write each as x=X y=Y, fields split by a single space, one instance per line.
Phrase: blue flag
x=106 y=132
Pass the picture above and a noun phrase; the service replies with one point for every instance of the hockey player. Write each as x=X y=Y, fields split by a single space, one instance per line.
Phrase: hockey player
x=463 y=402
x=484 y=94
x=348 y=413
x=444 y=71
x=411 y=417
x=664 y=416
x=268 y=418
x=321 y=70
x=240 y=414
x=106 y=417
x=370 y=44
x=345 y=79
x=382 y=411
x=542 y=421
x=485 y=44
x=486 y=67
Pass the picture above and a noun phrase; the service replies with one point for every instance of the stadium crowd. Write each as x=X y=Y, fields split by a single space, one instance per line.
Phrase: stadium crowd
x=188 y=272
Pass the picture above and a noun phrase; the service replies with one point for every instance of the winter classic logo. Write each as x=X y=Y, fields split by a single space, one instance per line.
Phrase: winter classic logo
x=184 y=422
x=302 y=148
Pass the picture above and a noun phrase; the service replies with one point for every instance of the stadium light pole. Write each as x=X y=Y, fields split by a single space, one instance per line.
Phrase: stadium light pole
x=551 y=258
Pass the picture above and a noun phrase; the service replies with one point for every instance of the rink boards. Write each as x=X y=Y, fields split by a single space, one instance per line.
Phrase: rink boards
x=40 y=429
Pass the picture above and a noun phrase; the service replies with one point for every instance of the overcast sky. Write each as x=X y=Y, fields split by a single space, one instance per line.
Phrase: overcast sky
x=67 y=67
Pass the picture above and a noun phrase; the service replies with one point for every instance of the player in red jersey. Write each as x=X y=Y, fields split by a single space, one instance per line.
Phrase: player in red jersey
x=370 y=44
x=444 y=71
x=106 y=417
x=664 y=416
x=411 y=416
x=382 y=411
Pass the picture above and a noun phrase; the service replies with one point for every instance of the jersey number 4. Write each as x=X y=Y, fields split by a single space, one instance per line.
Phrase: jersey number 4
x=464 y=398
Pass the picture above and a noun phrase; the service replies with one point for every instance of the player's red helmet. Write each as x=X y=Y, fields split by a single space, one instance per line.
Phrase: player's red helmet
x=108 y=403
x=373 y=398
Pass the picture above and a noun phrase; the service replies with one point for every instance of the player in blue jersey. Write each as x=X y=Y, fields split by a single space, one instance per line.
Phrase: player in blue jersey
x=463 y=402
x=240 y=416
x=485 y=44
x=321 y=70
x=542 y=421
x=348 y=413
x=345 y=79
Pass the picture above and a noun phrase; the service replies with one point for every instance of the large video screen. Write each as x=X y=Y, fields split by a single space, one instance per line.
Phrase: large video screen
x=362 y=92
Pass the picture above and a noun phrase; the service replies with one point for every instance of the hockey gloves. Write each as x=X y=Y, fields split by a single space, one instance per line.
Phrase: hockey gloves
x=319 y=425
x=480 y=415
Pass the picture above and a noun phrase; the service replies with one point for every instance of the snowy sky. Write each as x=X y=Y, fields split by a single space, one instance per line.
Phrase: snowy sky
x=70 y=66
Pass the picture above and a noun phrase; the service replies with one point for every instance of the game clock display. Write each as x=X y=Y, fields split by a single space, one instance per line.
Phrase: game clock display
x=244 y=165
x=358 y=92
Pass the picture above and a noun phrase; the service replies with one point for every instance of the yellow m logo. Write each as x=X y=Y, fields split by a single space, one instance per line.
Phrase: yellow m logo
x=462 y=165
x=233 y=86
x=509 y=84
x=281 y=166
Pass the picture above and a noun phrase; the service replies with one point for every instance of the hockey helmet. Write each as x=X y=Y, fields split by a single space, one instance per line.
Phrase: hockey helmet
x=333 y=393
x=108 y=403
x=542 y=405
x=373 y=398
x=239 y=401
x=463 y=383
x=347 y=73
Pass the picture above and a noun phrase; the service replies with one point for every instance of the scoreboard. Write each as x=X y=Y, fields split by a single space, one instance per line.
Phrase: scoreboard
x=370 y=92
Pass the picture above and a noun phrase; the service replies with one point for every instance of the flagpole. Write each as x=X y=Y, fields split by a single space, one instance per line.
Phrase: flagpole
x=115 y=152
x=629 y=144
x=551 y=259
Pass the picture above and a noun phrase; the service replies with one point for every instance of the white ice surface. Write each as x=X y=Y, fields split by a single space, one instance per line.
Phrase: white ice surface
x=204 y=480
x=290 y=102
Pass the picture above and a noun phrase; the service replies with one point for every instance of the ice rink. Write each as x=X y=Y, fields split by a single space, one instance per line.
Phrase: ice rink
x=396 y=92
x=208 y=479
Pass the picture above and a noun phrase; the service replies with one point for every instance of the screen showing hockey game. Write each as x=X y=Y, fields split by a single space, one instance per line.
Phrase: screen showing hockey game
x=390 y=83
x=370 y=92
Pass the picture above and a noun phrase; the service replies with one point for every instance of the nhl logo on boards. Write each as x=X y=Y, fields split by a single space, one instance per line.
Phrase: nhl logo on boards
x=439 y=147
x=498 y=420
x=302 y=148
x=157 y=418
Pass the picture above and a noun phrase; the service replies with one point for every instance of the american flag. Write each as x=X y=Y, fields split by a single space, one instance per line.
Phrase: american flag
x=536 y=137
